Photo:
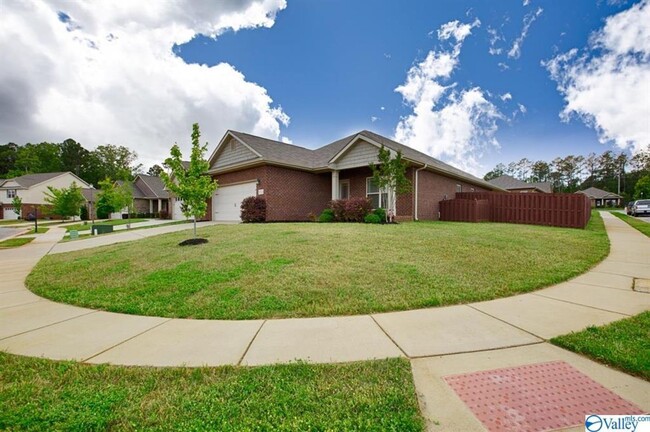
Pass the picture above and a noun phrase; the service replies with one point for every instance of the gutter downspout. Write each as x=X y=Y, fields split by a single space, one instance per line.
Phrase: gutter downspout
x=416 y=190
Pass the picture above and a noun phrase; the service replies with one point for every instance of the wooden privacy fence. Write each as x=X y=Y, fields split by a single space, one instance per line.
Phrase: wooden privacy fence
x=562 y=210
x=465 y=210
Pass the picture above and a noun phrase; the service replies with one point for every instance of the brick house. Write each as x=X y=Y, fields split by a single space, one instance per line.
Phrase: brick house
x=149 y=197
x=31 y=189
x=298 y=182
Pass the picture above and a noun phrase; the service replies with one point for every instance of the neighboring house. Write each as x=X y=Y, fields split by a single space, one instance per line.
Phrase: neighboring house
x=176 y=204
x=298 y=183
x=149 y=195
x=31 y=189
x=512 y=184
x=602 y=198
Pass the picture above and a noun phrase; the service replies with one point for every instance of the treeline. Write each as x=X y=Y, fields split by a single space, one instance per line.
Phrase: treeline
x=576 y=172
x=106 y=161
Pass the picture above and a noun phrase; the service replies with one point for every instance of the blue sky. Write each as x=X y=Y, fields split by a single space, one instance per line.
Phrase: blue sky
x=332 y=65
x=477 y=82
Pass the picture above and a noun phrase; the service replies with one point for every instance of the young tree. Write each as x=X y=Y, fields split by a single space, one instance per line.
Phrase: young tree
x=17 y=203
x=192 y=185
x=115 y=196
x=390 y=175
x=65 y=201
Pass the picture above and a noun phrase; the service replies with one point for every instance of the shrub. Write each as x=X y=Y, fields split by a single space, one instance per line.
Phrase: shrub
x=326 y=216
x=351 y=210
x=253 y=209
x=382 y=214
x=83 y=213
x=372 y=218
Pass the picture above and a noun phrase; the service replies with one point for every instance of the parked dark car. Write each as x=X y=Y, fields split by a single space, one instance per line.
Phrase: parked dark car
x=641 y=207
x=628 y=207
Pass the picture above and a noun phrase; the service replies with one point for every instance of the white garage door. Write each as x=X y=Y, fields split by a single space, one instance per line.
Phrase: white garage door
x=9 y=213
x=226 y=201
x=177 y=211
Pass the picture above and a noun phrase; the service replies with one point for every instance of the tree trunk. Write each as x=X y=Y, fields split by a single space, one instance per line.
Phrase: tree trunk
x=194 y=226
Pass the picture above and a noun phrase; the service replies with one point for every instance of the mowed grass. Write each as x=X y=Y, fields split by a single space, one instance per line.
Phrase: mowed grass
x=86 y=226
x=624 y=344
x=41 y=230
x=15 y=242
x=644 y=227
x=301 y=270
x=39 y=394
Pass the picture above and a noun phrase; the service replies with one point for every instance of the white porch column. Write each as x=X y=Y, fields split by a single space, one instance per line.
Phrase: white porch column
x=159 y=205
x=150 y=206
x=335 y=185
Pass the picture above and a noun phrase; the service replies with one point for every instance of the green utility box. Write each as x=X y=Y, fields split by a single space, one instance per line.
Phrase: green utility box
x=101 y=229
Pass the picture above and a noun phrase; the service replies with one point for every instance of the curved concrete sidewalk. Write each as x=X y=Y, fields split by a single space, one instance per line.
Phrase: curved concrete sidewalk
x=33 y=326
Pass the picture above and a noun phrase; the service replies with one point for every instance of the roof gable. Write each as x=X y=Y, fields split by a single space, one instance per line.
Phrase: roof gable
x=28 y=181
x=596 y=193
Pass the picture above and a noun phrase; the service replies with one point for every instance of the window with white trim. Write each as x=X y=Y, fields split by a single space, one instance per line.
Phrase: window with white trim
x=11 y=193
x=344 y=189
x=378 y=197
x=459 y=188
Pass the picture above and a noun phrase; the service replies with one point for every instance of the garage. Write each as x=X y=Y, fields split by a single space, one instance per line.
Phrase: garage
x=9 y=213
x=177 y=211
x=226 y=201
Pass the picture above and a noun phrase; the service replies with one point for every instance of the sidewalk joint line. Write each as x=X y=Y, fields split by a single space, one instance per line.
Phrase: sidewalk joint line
x=478 y=350
x=506 y=322
x=126 y=340
x=579 y=304
x=21 y=304
x=390 y=338
x=49 y=325
x=600 y=286
x=248 y=347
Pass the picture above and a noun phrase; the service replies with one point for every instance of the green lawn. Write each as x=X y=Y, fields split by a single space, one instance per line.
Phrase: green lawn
x=86 y=226
x=310 y=269
x=644 y=227
x=86 y=235
x=15 y=242
x=624 y=344
x=38 y=394
x=41 y=230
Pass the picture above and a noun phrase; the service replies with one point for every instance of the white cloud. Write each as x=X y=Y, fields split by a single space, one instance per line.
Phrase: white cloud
x=382 y=108
x=522 y=108
x=529 y=19
x=453 y=124
x=607 y=85
x=109 y=74
x=286 y=140
x=526 y=2
x=503 y=66
x=456 y=30
x=495 y=37
x=374 y=119
x=506 y=97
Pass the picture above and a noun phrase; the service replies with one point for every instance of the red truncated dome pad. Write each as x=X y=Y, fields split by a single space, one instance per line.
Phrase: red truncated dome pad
x=536 y=397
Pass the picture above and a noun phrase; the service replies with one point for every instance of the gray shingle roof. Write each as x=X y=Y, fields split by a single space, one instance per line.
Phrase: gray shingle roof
x=279 y=152
x=29 y=180
x=593 y=192
x=156 y=185
x=510 y=183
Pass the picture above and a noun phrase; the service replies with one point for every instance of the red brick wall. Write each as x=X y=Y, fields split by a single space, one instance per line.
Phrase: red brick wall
x=293 y=195
x=432 y=189
x=358 y=176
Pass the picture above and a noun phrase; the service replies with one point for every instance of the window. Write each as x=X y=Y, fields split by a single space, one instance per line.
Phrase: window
x=344 y=189
x=378 y=198
x=11 y=193
x=459 y=188
x=471 y=189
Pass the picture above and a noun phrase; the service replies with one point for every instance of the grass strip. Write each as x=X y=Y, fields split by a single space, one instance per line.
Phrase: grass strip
x=38 y=394
x=623 y=344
